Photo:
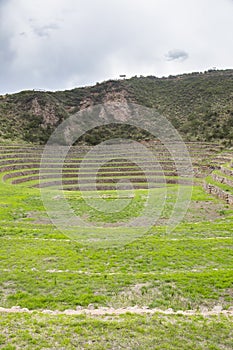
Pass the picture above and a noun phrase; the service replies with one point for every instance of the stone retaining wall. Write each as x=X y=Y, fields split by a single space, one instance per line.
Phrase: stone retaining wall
x=222 y=179
x=227 y=171
x=216 y=191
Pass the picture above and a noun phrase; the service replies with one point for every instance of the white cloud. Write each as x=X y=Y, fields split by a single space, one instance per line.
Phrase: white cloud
x=60 y=44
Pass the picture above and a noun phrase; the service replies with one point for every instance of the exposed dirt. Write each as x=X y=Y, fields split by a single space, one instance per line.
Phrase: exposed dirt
x=92 y=311
x=205 y=211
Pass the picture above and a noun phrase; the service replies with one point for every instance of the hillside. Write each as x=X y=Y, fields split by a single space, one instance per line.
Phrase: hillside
x=199 y=105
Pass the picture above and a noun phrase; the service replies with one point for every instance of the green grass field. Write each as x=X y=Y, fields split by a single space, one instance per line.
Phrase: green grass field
x=43 y=268
x=38 y=331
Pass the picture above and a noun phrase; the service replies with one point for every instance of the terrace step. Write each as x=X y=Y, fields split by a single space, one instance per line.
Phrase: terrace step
x=222 y=179
x=218 y=192
x=227 y=171
x=108 y=182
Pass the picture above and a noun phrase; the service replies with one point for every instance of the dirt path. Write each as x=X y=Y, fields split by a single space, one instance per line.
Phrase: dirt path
x=91 y=311
x=119 y=273
x=7 y=238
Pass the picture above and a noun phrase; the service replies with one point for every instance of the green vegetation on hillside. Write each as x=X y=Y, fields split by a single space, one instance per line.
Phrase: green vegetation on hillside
x=199 y=105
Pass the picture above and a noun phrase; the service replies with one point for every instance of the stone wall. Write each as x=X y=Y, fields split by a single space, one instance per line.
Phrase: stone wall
x=226 y=171
x=216 y=191
x=222 y=179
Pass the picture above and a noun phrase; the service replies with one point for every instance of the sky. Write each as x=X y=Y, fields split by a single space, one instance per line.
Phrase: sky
x=62 y=44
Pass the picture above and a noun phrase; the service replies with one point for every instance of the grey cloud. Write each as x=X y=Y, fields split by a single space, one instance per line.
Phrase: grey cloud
x=44 y=30
x=177 y=55
x=7 y=52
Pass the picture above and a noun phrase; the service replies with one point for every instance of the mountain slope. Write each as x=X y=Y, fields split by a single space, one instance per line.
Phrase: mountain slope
x=199 y=105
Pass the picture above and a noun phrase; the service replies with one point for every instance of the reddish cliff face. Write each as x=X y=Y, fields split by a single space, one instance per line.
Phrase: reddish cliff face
x=48 y=113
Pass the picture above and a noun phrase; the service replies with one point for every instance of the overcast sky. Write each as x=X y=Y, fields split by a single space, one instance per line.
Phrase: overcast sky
x=61 y=44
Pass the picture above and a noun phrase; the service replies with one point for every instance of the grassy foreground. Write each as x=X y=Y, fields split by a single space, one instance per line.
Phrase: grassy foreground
x=38 y=331
x=43 y=269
